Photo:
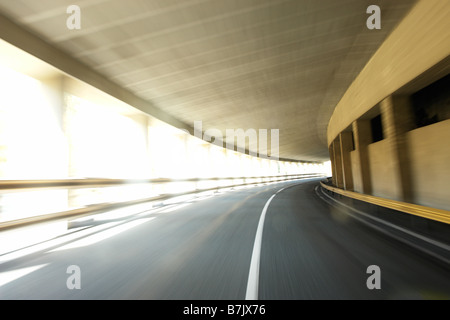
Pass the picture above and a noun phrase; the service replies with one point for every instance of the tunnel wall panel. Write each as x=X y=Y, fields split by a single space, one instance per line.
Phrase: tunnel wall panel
x=430 y=164
x=382 y=171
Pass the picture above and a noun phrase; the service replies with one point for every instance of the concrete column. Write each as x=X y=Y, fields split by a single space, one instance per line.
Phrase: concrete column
x=362 y=135
x=207 y=165
x=53 y=89
x=333 y=170
x=142 y=123
x=152 y=136
x=397 y=119
x=346 y=144
x=338 y=163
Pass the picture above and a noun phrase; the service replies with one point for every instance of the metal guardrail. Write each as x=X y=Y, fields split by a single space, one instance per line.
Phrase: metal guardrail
x=9 y=185
x=410 y=208
x=17 y=185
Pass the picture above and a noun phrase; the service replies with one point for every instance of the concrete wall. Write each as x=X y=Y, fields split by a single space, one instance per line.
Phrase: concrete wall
x=357 y=179
x=430 y=164
x=410 y=165
x=427 y=160
x=382 y=171
x=419 y=42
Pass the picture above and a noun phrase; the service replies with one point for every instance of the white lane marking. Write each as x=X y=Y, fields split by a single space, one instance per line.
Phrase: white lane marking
x=52 y=242
x=175 y=207
x=253 y=275
x=97 y=237
x=8 y=276
x=63 y=238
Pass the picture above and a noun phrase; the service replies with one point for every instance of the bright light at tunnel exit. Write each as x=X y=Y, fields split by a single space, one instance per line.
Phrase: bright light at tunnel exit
x=32 y=143
x=42 y=137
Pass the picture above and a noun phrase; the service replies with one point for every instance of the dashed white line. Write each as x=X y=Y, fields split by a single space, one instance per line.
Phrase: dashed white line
x=175 y=207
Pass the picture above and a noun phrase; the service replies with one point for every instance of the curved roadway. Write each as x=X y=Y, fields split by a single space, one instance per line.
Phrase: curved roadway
x=203 y=250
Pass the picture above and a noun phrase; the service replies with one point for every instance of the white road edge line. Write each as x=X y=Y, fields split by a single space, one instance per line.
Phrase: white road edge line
x=253 y=275
x=386 y=223
x=401 y=239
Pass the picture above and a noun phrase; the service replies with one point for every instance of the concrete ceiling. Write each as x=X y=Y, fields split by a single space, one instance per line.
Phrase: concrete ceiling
x=261 y=64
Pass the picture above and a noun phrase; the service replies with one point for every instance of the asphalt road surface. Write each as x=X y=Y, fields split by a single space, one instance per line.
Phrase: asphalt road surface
x=208 y=248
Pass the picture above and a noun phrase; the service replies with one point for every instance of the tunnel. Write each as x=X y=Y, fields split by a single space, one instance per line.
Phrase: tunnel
x=199 y=154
